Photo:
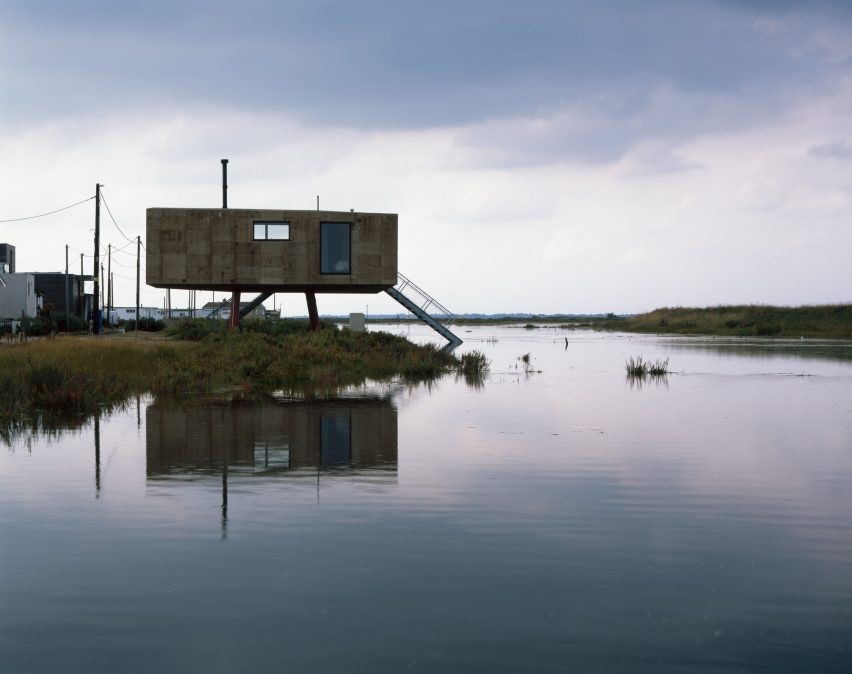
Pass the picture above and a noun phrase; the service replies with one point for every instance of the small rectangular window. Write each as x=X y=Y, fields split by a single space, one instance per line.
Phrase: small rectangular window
x=272 y=230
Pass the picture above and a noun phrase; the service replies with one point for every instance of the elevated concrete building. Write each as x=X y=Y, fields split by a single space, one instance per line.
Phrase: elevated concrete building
x=263 y=250
x=269 y=251
x=282 y=251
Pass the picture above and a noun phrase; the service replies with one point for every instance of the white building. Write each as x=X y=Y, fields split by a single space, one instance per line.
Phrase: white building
x=17 y=295
x=158 y=313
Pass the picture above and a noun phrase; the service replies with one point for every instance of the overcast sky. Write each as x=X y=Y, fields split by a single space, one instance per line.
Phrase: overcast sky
x=542 y=156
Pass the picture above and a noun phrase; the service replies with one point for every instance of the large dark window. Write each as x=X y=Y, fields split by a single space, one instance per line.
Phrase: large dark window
x=335 y=247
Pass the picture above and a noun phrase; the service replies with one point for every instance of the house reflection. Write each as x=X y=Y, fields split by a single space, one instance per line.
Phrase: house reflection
x=269 y=439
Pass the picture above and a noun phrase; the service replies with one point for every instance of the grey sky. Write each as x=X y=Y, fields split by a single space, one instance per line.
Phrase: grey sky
x=471 y=88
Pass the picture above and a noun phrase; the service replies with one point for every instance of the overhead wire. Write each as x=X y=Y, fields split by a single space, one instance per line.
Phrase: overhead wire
x=41 y=215
x=103 y=198
x=126 y=266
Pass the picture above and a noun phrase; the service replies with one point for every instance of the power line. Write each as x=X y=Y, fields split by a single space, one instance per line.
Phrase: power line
x=41 y=215
x=104 y=251
x=113 y=219
x=126 y=266
x=123 y=251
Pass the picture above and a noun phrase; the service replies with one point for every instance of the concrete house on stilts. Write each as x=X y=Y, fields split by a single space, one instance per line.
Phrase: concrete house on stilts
x=240 y=251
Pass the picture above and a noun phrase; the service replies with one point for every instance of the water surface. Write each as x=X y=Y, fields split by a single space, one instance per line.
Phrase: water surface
x=559 y=520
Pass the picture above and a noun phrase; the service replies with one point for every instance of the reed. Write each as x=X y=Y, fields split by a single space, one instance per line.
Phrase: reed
x=639 y=367
x=473 y=363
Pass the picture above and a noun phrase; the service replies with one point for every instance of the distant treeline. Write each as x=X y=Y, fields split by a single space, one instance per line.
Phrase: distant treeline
x=831 y=321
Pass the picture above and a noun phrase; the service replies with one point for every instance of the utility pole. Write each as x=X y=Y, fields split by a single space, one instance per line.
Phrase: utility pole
x=67 y=301
x=82 y=293
x=138 y=243
x=102 y=290
x=96 y=318
x=109 y=285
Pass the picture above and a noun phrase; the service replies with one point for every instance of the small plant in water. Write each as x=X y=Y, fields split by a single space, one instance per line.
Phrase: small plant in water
x=473 y=363
x=639 y=367
x=526 y=363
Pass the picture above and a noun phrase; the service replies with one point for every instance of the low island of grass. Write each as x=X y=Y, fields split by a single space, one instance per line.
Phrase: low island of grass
x=814 y=322
x=79 y=375
x=830 y=321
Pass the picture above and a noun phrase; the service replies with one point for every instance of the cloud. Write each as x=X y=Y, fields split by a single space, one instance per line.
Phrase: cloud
x=606 y=127
x=380 y=64
x=838 y=149
x=579 y=156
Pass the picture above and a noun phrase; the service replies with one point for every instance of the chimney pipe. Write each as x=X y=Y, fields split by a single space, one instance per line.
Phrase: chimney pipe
x=224 y=183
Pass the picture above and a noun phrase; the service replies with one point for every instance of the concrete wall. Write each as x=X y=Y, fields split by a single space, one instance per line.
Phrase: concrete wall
x=214 y=249
x=17 y=295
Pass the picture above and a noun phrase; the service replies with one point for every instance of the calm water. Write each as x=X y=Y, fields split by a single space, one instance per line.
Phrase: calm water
x=565 y=520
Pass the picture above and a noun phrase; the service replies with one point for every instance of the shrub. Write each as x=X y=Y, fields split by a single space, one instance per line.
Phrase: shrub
x=195 y=328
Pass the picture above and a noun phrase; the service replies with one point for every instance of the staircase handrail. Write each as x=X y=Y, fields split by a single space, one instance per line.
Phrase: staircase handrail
x=404 y=282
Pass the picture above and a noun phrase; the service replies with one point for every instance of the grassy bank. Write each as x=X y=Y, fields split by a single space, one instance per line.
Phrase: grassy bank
x=825 y=322
x=77 y=375
x=833 y=321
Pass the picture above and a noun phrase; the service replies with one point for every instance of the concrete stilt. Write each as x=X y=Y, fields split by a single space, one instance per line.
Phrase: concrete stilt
x=313 y=315
x=235 y=310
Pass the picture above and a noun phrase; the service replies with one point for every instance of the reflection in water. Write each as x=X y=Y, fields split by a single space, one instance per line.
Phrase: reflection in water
x=639 y=381
x=816 y=349
x=276 y=438
x=97 y=455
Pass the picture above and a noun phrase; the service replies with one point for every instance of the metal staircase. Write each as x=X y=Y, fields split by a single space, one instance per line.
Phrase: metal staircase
x=426 y=308
x=214 y=313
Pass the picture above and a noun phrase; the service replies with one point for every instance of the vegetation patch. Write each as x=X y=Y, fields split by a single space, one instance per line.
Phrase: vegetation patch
x=73 y=376
x=832 y=321
x=639 y=367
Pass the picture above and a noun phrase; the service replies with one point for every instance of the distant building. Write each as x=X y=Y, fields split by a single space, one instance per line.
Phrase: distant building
x=209 y=310
x=129 y=314
x=50 y=288
x=7 y=258
x=223 y=310
x=17 y=296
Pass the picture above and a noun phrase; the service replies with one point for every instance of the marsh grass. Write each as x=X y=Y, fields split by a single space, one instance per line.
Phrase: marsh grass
x=474 y=362
x=832 y=321
x=74 y=376
x=473 y=366
x=639 y=367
